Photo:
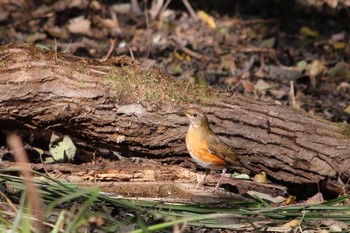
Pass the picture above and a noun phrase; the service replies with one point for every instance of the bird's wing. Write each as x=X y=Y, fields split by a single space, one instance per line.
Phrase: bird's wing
x=217 y=147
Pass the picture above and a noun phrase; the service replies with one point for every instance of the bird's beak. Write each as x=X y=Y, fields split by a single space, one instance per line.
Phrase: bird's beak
x=181 y=111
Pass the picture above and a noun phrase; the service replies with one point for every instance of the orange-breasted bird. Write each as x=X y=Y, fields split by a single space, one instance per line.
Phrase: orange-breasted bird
x=205 y=147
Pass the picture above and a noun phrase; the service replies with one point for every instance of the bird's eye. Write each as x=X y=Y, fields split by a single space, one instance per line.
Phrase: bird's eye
x=195 y=114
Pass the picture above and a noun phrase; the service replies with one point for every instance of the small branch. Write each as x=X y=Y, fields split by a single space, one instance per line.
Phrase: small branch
x=190 y=9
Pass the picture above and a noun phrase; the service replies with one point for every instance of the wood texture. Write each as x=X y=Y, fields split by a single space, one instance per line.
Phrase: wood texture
x=41 y=91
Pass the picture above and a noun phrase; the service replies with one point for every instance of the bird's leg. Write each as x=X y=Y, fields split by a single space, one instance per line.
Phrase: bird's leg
x=219 y=182
x=207 y=171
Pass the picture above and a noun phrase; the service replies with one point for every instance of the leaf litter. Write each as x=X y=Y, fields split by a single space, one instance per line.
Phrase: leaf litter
x=235 y=48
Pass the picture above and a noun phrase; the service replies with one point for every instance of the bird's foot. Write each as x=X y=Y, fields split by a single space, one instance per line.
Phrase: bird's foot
x=201 y=181
x=217 y=186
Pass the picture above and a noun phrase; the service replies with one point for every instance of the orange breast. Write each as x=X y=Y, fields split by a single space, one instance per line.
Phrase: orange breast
x=197 y=146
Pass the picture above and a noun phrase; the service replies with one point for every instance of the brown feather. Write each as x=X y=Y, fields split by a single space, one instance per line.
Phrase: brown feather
x=217 y=147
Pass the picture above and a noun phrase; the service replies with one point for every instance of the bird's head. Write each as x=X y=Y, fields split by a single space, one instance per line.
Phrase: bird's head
x=196 y=117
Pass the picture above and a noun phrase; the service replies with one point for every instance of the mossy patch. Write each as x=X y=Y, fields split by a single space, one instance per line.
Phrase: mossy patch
x=157 y=87
x=344 y=129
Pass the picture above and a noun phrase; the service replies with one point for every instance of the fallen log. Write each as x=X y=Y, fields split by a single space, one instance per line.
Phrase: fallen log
x=151 y=180
x=118 y=106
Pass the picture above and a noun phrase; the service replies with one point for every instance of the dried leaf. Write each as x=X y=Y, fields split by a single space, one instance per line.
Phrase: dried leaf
x=260 y=178
x=62 y=149
x=306 y=31
x=227 y=62
x=209 y=20
x=343 y=86
x=339 y=45
x=338 y=36
x=58 y=32
x=339 y=69
x=233 y=80
x=290 y=200
x=302 y=65
x=347 y=109
x=335 y=228
x=292 y=224
x=268 y=43
x=248 y=86
x=316 y=199
x=261 y=85
x=316 y=68
x=279 y=93
x=79 y=25
x=107 y=23
x=283 y=73
x=334 y=225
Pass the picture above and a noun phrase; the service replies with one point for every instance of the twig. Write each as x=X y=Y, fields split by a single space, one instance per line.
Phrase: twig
x=135 y=8
x=292 y=94
x=188 y=51
x=111 y=48
x=252 y=49
x=131 y=52
x=190 y=9
x=155 y=8
x=161 y=13
x=191 y=52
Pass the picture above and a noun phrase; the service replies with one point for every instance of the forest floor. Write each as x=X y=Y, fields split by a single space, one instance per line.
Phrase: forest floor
x=279 y=51
x=260 y=49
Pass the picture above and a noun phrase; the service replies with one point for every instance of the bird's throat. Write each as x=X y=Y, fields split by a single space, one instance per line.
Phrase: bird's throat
x=202 y=129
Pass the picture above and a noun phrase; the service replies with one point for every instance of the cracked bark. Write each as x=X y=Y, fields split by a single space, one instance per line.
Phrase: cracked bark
x=41 y=91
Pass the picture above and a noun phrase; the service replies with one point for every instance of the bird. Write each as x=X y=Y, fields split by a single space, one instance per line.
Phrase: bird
x=206 y=148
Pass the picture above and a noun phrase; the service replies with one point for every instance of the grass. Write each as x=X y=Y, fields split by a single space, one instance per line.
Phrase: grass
x=69 y=208
x=156 y=87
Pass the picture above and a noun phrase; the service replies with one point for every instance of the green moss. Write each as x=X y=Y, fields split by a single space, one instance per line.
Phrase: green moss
x=57 y=60
x=155 y=86
x=344 y=129
x=77 y=67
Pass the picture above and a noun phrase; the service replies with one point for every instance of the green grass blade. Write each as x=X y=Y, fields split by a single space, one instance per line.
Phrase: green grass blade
x=59 y=222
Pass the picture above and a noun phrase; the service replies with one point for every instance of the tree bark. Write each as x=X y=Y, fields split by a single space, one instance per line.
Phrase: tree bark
x=81 y=98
